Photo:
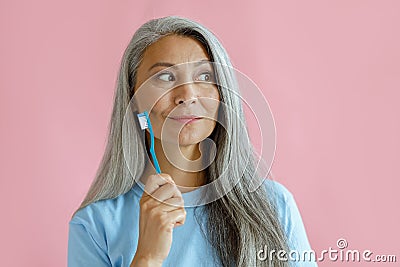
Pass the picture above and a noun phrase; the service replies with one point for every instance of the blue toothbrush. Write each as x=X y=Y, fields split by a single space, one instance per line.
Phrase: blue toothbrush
x=144 y=121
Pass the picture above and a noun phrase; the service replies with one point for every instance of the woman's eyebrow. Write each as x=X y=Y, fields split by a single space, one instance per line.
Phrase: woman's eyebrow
x=164 y=64
x=167 y=64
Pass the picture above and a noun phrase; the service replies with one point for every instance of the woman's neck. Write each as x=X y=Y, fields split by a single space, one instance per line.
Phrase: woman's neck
x=177 y=161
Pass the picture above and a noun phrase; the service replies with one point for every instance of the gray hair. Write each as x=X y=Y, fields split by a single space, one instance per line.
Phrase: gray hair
x=241 y=222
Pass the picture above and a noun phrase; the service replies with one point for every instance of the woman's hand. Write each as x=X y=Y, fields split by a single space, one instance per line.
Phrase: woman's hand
x=160 y=212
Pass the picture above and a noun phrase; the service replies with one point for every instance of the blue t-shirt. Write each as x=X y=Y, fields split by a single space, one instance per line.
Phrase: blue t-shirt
x=105 y=233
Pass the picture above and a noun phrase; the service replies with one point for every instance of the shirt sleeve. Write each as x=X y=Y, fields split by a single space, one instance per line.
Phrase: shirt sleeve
x=295 y=231
x=83 y=250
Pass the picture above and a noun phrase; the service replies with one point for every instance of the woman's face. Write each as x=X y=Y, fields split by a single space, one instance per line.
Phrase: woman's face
x=184 y=95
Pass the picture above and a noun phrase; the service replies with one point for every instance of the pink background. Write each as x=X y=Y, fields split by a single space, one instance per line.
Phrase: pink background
x=329 y=69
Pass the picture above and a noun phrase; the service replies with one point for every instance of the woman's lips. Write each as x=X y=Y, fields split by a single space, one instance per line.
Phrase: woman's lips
x=185 y=119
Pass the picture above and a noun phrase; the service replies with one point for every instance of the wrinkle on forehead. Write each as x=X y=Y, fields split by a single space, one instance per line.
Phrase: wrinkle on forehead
x=175 y=49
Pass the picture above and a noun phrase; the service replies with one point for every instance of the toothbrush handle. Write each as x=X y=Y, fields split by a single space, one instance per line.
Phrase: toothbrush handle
x=152 y=152
x=155 y=161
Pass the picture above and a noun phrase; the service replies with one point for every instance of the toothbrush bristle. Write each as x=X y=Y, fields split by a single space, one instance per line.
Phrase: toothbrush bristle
x=143 y=121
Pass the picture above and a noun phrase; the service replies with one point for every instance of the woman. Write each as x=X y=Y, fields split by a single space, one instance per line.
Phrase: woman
x=133 y=216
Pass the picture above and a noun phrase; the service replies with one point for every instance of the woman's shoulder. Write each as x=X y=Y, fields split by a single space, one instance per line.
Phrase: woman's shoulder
x=279 y=192
x=106 y=210
x=99 y=226
x=284 y=202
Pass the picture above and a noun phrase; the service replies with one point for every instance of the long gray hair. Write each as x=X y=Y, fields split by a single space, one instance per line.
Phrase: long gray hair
x=241 y=222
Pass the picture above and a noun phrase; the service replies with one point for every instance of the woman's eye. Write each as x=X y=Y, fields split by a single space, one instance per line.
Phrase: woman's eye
x=167 y=77
x=206 y=77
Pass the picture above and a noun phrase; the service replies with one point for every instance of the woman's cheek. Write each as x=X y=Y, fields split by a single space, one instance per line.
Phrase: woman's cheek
x=208 y=128
x=211 y=104
x=156 y=120
x=213 y=110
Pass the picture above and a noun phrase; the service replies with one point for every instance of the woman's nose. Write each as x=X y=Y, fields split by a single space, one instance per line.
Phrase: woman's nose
x=186 y=94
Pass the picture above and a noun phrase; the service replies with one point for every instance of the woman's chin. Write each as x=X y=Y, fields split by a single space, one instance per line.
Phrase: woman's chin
x=186 y=144
x=188 y=141
x=181 y=141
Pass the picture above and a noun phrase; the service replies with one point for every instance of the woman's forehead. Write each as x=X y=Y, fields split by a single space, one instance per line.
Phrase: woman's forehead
x=174 y=49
